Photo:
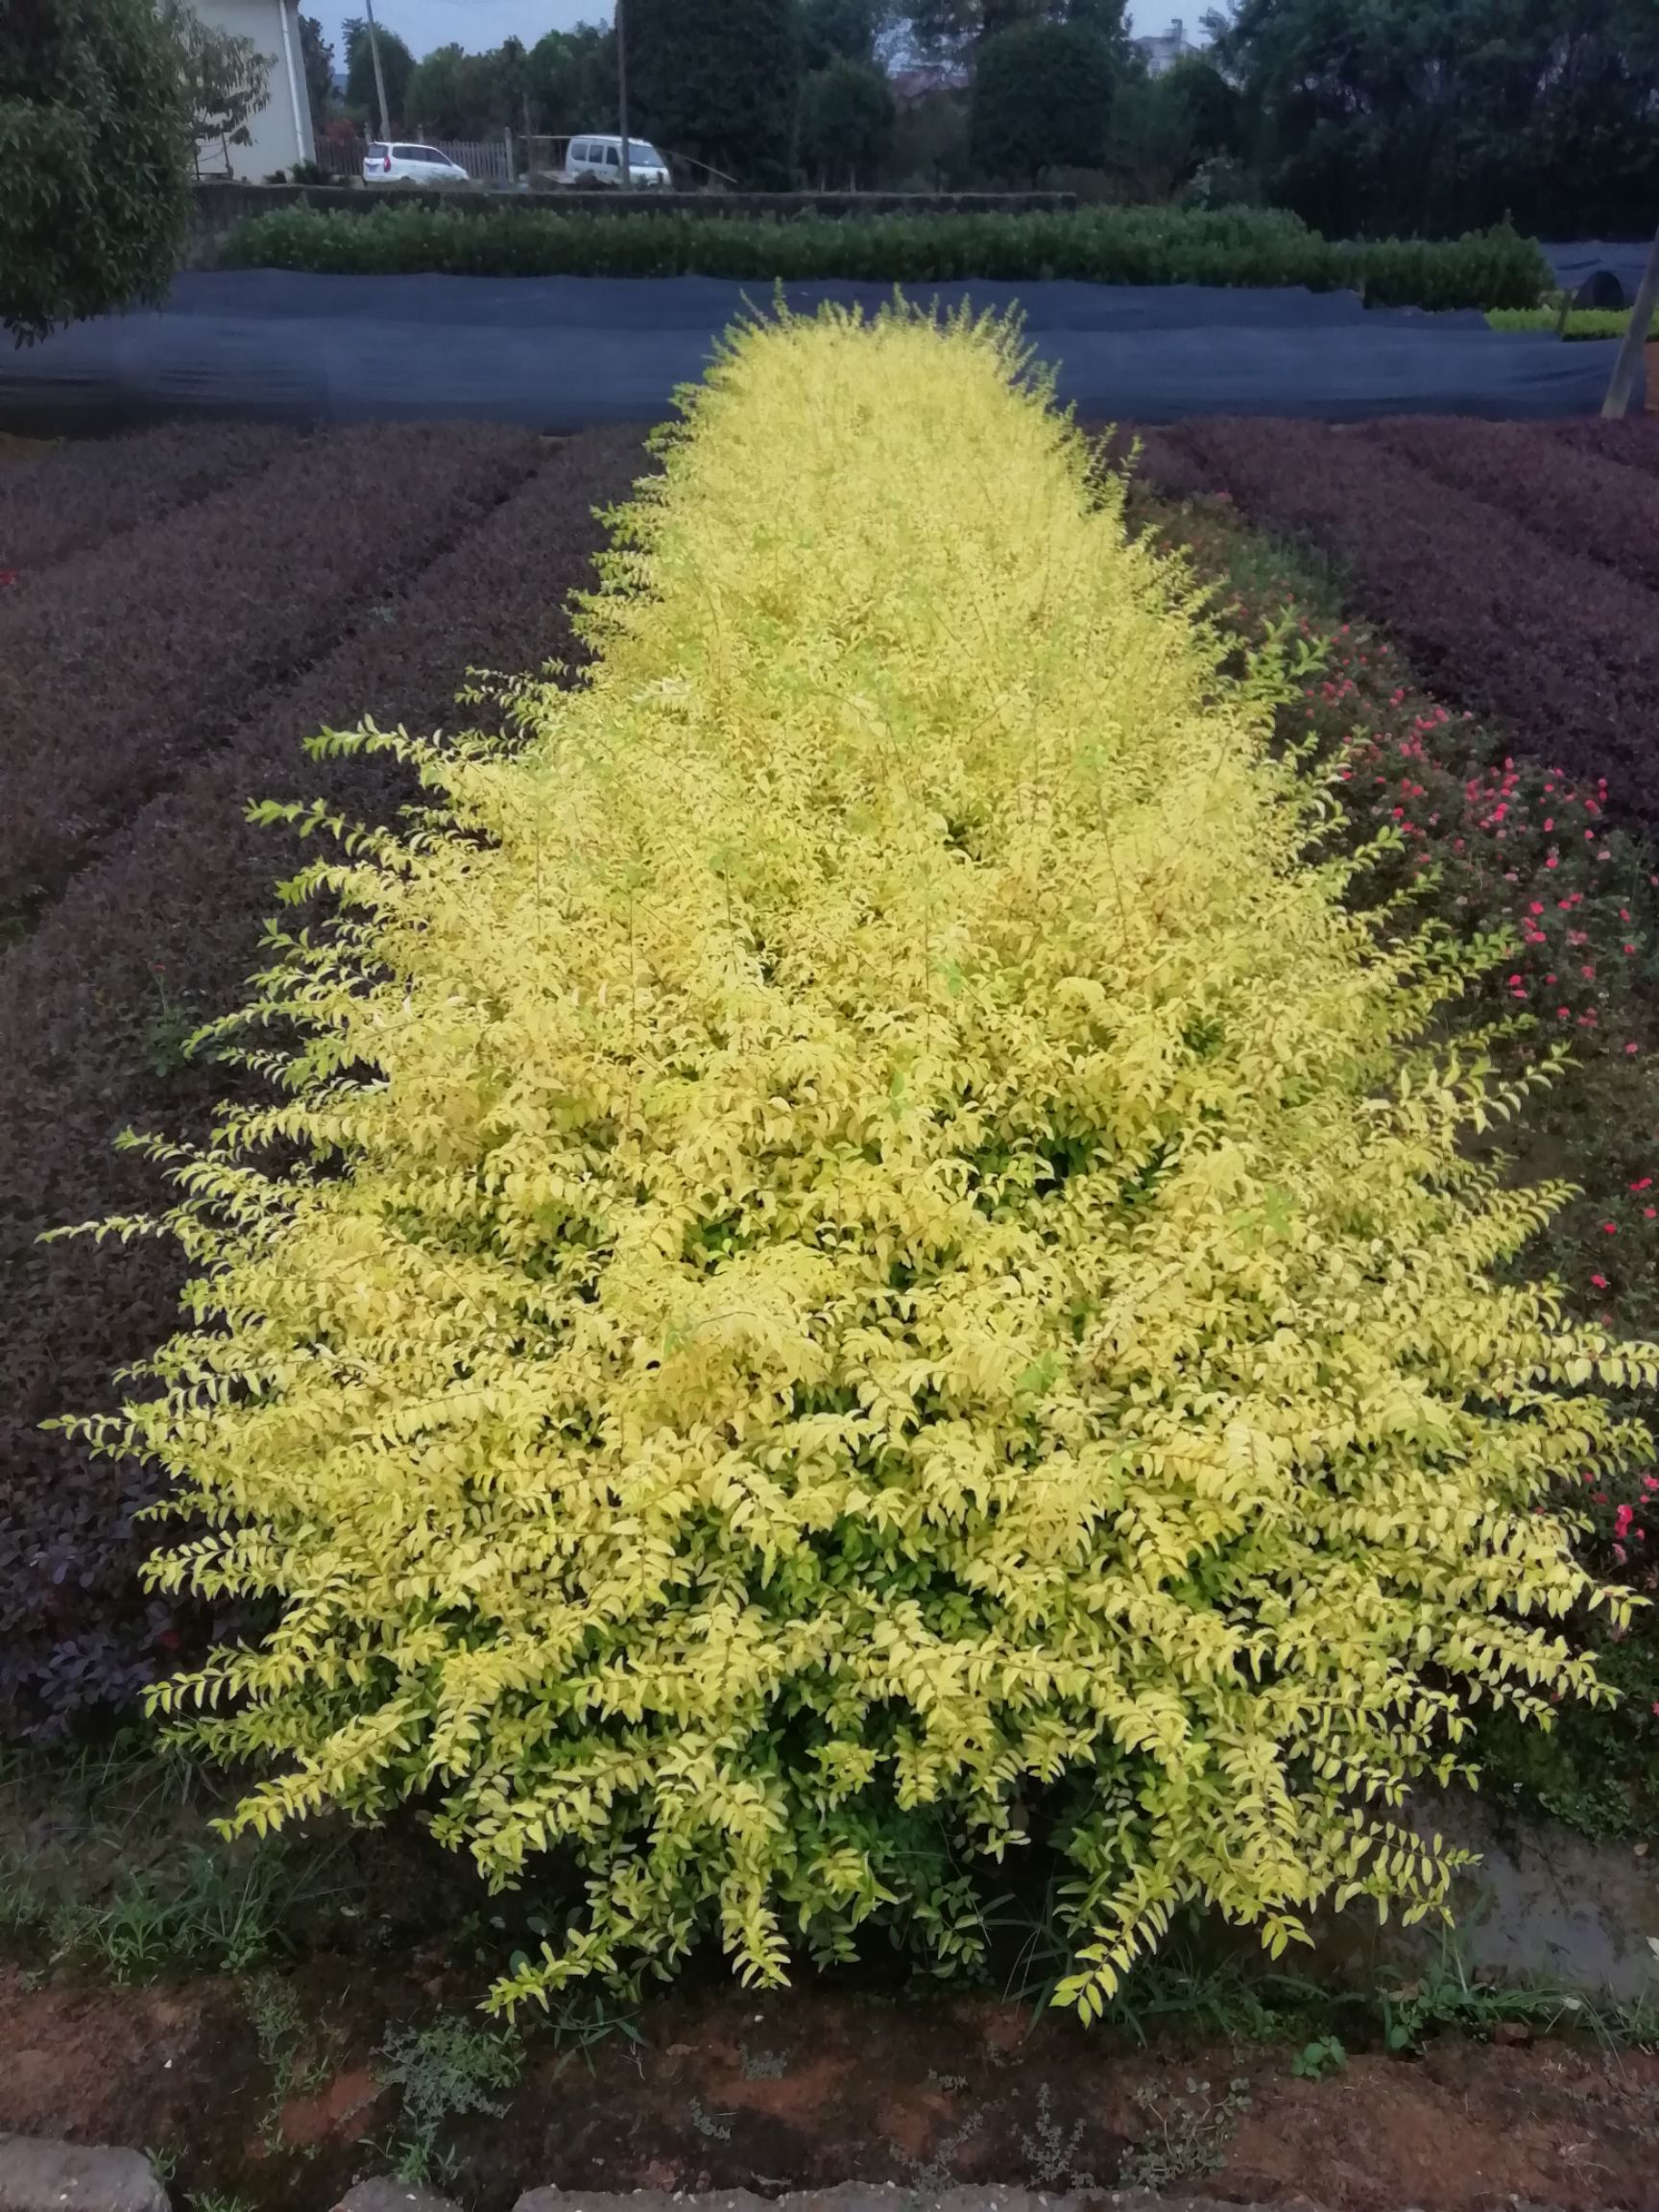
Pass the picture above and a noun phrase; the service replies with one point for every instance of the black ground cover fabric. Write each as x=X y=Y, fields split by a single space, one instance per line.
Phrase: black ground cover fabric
x=561 y=353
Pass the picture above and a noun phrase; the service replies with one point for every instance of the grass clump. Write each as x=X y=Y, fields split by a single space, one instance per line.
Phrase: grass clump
x=878 y=1269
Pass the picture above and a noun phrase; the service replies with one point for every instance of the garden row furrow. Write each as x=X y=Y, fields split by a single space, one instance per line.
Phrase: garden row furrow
x=131 y=657
x=157 y=935
x=1633 y=443
x=84 y=494
x=1494 y=617
x=1578 y=498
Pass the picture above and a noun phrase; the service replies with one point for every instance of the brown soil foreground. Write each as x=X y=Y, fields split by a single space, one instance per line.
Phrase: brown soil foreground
x=809 y=2088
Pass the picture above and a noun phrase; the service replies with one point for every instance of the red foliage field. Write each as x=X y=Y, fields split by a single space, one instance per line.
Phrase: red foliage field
x=458 y=551
x=1517 y=565
x=125 y=659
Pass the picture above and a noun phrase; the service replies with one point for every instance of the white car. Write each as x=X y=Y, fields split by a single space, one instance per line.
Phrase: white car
x=401 y=164
x=602 y=158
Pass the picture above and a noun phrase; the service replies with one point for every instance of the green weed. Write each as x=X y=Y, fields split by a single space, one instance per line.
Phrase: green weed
x=279 y=2029
x=444 y=2071
x=1186 y=2143
x=1450 y=1996
x=1050 y=2158
x=1325 y=2054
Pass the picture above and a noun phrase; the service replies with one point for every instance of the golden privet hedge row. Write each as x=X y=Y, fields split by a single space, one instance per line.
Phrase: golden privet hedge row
x=882 y=1270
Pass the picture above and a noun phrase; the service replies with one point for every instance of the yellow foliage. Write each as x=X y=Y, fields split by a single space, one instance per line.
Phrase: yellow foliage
x=881 y=1249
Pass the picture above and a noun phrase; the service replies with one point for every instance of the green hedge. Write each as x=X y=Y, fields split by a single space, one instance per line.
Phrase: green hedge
x=1105 y=245
x=1581 y=321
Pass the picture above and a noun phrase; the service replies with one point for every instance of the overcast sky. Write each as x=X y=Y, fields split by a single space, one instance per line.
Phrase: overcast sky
x=480 y=24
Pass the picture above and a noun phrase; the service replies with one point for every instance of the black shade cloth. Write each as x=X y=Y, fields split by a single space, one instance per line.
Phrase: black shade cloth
x=1575 y=266
x=559 y=354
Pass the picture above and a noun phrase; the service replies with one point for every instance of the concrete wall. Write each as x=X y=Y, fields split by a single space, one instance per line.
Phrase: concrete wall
x=218 y=206
x=281 y=131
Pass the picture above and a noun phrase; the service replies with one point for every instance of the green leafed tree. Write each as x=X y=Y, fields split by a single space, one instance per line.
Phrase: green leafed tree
x=945 y=28
x=1041 y=98
x=846 y=124
x=715 y=80
x=571 y=76
x=454 y=94
x=838 y=31
x=95 y=159
x=227 y=82
x=317 y=58
x=1441 y=115
x=397 y=64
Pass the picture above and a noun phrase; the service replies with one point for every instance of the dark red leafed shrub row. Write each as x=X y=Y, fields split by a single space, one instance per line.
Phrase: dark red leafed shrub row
x=85 y=494
x=1162 y=461
x=1572 y=496
x=149 y=941
x=121 y=663
x=1494 y=616
x=1633 y=442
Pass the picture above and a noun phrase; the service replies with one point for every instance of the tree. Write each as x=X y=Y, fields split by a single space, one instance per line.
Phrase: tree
x=454 y=94
x=95 y=159
x=838 y=31
x=226 y=79
x=317 y=56
x=398 y=66
x=1165 y=128
x=1213 y=106
x=846 y=122
x=716 y=81
x=571 y=80
x=1439 y=116
x=1041 y=98
x=956 y=30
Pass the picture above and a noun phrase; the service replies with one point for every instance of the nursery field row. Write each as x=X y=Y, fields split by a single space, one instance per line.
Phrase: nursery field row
x=159 y=933
x=82 y=496
x=1518 y=565
x=125 y=660
x=1494 y=268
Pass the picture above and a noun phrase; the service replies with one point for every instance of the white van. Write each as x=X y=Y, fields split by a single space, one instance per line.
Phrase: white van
x=587 y=156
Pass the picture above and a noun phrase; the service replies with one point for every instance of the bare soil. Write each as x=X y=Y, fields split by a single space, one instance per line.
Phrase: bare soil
x=812 y=2088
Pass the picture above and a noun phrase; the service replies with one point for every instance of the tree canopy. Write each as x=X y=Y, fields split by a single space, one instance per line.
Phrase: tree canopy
x=1441 y=115
x=846 y=122
x=572 y=78
x=95 y=159
x=716 y=81
x=397 y=66
x=227 y=80
x=1041 y=98
x=317 y=58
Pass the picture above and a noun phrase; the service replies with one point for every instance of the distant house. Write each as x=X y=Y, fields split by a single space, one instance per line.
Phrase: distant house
x=280 y=133
x=1164 y=49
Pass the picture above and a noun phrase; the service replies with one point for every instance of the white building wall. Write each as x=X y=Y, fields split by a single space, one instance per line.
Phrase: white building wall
x=281 y=132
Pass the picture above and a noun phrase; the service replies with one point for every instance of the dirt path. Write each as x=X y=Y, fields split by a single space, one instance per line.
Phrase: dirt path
x=811 y=2088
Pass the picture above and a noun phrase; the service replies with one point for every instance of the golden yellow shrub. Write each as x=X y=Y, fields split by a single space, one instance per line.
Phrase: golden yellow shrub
x=879 y=1246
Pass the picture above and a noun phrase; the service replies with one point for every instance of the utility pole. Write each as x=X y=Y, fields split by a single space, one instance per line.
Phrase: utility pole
x=1628 y=368
x=623 y=88
x=379 y=73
